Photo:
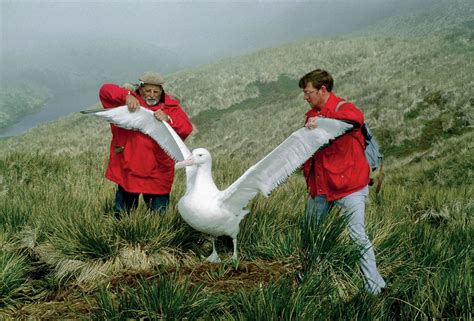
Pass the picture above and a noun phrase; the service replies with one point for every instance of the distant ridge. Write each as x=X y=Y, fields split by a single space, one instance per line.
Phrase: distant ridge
x=442 y=15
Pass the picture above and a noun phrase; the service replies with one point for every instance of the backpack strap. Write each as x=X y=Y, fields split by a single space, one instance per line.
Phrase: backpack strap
x=339 y=104
x=379 y=179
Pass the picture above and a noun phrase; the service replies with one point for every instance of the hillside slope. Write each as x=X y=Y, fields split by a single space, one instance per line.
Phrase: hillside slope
x=415 y=92
x=439 y=16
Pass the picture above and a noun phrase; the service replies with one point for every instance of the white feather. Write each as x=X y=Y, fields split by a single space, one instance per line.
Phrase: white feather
x=144 y=120
x=280 y=163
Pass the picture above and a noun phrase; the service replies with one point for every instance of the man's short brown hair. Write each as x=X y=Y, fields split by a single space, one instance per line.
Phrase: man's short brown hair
x=317 y=78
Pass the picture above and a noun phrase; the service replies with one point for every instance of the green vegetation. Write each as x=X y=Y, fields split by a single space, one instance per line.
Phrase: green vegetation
x=15 y=103
x=64 y=255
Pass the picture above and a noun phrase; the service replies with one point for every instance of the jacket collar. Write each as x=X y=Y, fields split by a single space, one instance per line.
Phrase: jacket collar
x=171 y=101
x=330 y=105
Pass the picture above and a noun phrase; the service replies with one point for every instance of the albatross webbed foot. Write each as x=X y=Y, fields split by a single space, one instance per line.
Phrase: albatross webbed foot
x=214 y=257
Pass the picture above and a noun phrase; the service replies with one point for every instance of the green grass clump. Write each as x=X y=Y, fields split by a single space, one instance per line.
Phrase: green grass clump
x=166 y=298
x=14 y=277
x=324 y=244
x=85 y=238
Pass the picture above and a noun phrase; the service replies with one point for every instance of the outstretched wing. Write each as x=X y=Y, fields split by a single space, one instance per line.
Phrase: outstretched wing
x=279 y=164
x=144 y=121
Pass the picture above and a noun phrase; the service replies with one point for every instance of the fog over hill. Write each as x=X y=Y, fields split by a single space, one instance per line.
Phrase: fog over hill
x=185 y=32
x=51 y=49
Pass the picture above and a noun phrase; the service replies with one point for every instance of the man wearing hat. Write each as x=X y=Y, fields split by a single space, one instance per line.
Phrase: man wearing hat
x=137 y=164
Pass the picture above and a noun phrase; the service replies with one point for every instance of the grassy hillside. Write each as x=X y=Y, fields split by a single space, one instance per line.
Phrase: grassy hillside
x=414 y=91
x=15 y=103
x=438 y=16
x=64 y=255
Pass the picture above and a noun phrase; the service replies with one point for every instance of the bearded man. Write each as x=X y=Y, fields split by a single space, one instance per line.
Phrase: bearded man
x=137 y=164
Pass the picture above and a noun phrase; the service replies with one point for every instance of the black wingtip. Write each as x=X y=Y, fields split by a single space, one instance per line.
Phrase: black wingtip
x=91 y=111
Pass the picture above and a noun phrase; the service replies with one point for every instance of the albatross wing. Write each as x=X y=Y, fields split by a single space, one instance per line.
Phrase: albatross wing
x=144 y=121
x=279 y=164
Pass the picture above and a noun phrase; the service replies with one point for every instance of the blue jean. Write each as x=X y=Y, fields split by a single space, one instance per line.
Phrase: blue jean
x=353 y=208
x=125 y=201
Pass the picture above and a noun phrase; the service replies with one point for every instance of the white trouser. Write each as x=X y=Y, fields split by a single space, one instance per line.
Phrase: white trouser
x=353 y=208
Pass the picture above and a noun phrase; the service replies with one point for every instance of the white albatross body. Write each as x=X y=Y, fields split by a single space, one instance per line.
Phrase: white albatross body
x=205 y=207
x=209 y=217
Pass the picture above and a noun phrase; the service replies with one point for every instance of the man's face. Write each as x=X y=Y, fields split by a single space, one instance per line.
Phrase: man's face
x=151 y=94
x=313 y=96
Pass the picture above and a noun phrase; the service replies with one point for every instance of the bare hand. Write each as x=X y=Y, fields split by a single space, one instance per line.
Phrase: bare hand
x=160 y=115
x=311 y=123
x=132 y=103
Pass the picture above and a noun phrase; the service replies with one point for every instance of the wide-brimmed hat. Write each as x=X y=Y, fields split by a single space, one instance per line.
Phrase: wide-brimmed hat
x=150 y=77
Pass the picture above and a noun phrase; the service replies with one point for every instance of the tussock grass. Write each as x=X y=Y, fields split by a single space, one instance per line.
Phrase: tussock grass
x=166 y=299
x=14 y=270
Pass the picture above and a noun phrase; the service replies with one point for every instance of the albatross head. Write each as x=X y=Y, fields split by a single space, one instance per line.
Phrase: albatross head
x=198 y=156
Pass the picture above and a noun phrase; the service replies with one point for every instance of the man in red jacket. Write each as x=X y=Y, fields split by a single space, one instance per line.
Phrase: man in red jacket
x=339 y=174
x=137 y=164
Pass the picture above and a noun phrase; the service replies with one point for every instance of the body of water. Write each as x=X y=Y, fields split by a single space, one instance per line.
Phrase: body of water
x=54 y=109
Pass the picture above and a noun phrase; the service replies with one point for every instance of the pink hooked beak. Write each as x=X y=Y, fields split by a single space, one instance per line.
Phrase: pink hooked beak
x=187 y=162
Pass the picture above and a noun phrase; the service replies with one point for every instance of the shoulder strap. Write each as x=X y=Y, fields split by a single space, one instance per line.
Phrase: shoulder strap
x=339 y=104
x=379 y=179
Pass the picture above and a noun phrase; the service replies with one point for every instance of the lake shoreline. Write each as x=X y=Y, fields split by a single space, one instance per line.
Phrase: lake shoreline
x=53 y=109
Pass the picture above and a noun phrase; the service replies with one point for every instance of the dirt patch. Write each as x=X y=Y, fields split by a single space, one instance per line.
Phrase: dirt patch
x=69 y=307
x=222 y=277
x=226 y=277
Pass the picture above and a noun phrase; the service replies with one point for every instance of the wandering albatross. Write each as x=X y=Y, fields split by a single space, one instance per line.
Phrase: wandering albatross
x=205 y=207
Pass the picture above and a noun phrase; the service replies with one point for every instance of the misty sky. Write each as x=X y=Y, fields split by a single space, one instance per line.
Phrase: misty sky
x=170 y=24
x=205 y=29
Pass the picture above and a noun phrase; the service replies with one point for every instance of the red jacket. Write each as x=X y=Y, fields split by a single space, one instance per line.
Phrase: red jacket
x=137 y=162
x=341 y=168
